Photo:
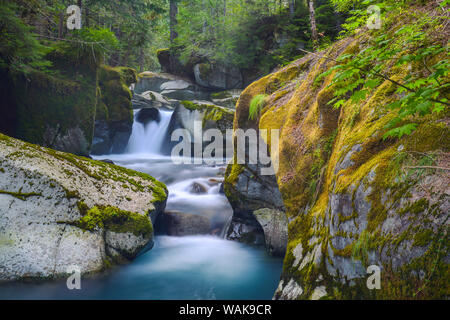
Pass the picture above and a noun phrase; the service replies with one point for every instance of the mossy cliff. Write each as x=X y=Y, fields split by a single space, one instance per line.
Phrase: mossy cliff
x=55 y=108
x=59 y=210
x=114 y=114
x=352 y=198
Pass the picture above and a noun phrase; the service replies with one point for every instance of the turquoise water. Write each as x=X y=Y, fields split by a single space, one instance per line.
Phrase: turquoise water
x=197 y=267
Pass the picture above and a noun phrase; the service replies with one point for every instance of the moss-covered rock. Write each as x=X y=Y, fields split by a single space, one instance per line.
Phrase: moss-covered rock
x=210 y=115
x=114 y=118
x=59 y=210
x=171 y=63
x=353 y=199
x=56 y=108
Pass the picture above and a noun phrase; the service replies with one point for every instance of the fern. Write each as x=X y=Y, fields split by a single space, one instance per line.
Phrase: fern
x=256 y=105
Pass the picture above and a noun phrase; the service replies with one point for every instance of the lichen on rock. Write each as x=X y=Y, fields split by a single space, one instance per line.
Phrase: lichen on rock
x=58 y=210
x=353 y=198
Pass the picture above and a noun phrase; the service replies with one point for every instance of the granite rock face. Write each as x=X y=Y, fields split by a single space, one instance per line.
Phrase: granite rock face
x=274 y=224
x=114 y=115
x=352 y=198
x=58 y=210
x=218 y=76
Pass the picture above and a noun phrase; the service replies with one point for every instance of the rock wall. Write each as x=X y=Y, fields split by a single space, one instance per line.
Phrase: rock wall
x=58 y=210
x=114 y=114
x=54 y=109
x=351 y=197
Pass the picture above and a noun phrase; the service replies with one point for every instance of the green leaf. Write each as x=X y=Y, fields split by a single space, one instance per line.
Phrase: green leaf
x=399 y=132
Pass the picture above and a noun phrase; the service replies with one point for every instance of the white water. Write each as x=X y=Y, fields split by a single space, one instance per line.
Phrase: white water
x=149 y=138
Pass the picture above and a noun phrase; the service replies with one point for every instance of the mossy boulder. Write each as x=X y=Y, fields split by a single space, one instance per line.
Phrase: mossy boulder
x=352 y=198
x=55 y=108
x=114 y=119
x=218 y=76
x=58 y=210
x=151 y=81
x=171 y=63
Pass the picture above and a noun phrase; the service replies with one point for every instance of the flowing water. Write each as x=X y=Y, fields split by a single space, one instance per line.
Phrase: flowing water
x=191 y=267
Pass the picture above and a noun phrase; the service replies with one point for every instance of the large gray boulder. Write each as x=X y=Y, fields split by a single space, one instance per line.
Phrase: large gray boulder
x=274 y=224
x=150 y=81
x=248 y=192
x=177 y=85
x=218 y=76
x=152 y=99
x=111 y=136
x=205 y=113
x=58 y=210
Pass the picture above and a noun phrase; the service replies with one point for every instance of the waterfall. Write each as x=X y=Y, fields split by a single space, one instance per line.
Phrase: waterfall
x=223 y=233
x=149 y=137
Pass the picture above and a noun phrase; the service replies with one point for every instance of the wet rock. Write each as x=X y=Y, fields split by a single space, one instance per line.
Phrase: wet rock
x=148 y=114
x=274 y=224
x=226 y=98
x=185 y=94
x=107 y=161
x=111 y=137
x=246 y=230
x=197 y=188
x=174 y=223
x=152 y=99
x=177 y=85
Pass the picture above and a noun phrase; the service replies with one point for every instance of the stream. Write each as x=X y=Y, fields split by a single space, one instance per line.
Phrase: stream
x=177 y=268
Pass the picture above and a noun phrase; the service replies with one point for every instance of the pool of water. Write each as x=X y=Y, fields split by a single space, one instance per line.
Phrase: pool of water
x=177 y=268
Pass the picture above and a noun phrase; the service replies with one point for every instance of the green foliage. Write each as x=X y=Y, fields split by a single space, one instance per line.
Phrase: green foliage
x=417 y=46
x=256 y=105
x=19 y=48
x=98 y=41
x=249 y=34
x=360 y=248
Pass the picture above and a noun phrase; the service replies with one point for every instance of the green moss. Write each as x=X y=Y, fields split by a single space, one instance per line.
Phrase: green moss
x=20 y=195
x=115 y=102
x=97 y=170
x=360 y=248
x=45 y=101
x=193 y=106
x=221 y=95
x=231 y=177
x=114 y=219
x=222 y=117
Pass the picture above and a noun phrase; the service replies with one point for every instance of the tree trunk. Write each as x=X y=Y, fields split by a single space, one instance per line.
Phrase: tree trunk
x=291 y=8
x=141 y=59
x=87 y=17
x=80 y=5
x=61 y=25
x=173 y=20
x=312 y=20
